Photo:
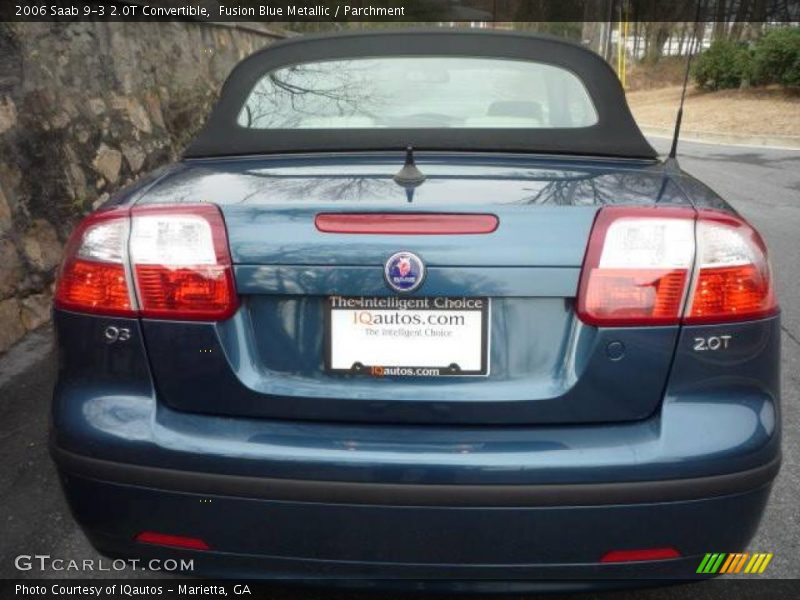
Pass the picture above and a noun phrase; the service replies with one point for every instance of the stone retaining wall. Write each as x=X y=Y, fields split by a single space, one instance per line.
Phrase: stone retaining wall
x=85 y=108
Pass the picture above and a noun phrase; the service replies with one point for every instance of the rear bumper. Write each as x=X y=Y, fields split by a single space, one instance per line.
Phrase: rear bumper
x=305 y=499
x=435 y=495
x=316 y=501
x=333 y=530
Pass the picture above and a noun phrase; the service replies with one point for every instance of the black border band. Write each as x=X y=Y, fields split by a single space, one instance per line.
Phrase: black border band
x=393 y=494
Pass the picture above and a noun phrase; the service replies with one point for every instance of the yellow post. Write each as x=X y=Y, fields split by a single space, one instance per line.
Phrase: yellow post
x=619 y=49
x=621 y=38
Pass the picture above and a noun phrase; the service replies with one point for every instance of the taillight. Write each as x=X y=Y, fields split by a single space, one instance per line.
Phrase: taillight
x=176 y=258
x=181 y=263
x=661 y=266
x=636 y=267
x=94 y=277
x=733 y=280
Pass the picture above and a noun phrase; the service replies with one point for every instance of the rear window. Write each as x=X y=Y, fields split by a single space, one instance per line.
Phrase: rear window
x=422 y=92
x=451 y=90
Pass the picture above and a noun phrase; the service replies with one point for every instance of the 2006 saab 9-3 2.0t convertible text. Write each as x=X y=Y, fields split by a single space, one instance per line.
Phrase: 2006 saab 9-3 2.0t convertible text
x=419 y=305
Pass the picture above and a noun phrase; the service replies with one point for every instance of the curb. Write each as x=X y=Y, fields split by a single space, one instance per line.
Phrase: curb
x=777 y=142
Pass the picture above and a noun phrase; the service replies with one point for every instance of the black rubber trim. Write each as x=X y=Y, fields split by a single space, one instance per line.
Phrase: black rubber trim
x=339 y=492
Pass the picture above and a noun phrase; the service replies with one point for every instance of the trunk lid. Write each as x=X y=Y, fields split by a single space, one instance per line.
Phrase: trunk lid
x=545 y=366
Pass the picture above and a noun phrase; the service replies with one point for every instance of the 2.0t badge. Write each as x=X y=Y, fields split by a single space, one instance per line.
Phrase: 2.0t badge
x=404 y=271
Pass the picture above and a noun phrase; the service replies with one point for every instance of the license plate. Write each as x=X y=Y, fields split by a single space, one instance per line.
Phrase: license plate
x=407 y=337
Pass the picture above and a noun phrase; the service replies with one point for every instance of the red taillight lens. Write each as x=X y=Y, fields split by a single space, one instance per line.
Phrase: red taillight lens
x=639 y=261
x=625 y=296
x=93 y=285
x=195 y=293
x=636 y=266
x=733 y=280
x=617 y=556
x=93 y=276
x=174 y=541
x=178 y=258
x=181 y=263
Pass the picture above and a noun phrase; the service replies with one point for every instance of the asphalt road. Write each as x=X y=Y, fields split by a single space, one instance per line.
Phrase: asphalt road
x=763 y=184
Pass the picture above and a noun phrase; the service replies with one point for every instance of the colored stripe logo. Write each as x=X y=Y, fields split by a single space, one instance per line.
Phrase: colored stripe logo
x=736 y=562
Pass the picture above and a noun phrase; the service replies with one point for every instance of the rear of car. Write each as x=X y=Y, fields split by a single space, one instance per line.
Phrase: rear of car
x=534 y=353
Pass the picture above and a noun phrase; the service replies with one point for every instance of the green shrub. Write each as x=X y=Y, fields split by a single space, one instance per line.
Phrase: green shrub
x=724 y=65
x=777 y=57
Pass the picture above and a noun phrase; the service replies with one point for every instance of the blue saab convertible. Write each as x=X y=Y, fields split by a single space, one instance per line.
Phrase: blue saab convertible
x=419 y=306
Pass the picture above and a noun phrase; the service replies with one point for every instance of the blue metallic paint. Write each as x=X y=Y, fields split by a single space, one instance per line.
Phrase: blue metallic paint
x=698 y=431
x=266 y=361
x=325 y=280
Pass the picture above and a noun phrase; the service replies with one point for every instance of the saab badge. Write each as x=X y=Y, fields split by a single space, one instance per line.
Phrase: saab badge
x=404 y=271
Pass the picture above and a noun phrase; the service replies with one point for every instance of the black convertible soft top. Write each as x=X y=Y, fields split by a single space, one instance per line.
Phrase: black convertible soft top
x=615 y=134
